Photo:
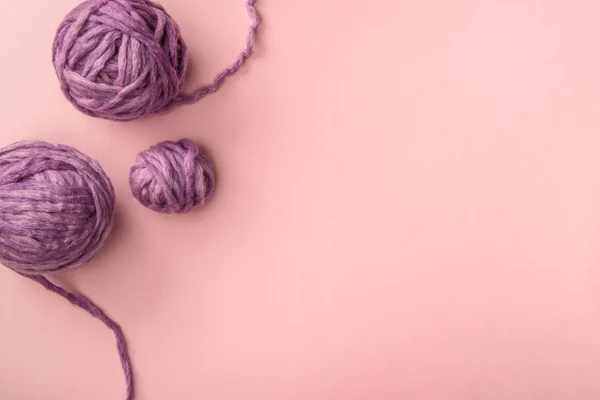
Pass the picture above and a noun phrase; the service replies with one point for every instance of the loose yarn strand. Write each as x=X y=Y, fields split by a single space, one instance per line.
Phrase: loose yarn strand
x=87 y=305
x=233 y=68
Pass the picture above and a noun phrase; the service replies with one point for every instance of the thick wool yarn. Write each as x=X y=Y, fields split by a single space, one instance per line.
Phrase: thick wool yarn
x=172 y=177
x=56 y=207
x=124 y=59
x=56 y=211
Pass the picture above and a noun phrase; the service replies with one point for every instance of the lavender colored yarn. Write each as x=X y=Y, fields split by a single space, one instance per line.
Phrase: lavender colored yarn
x=56 y=211
x=172 y=177
x=56 y=207
x=124 y=59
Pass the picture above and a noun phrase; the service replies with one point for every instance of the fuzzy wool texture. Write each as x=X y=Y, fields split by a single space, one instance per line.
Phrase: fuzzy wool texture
x=120 y=59
x=124 y=59
x=56 y=207
x=172 y=177
x=56 y=211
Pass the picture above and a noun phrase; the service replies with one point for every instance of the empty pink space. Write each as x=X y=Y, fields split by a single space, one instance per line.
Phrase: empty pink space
x=407 y=207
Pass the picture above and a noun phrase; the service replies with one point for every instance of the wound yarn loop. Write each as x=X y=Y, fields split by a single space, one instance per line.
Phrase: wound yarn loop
x=124 y=59
x=172 y=177
x=56 y=207
x=56 y=211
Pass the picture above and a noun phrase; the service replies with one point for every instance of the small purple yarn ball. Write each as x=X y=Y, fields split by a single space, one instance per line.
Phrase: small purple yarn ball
x=172 y=177
x=120 y=59
x=56 y=207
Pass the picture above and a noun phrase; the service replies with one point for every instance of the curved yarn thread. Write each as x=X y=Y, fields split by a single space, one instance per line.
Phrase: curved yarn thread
x=233 y=68
x=87 y=305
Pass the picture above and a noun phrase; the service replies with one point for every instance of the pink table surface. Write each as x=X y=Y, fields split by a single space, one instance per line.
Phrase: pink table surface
x=408 y=207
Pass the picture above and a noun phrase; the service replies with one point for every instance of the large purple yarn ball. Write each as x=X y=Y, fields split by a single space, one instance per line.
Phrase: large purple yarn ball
x=120 y=59
x=172 y=177
x=56 y=207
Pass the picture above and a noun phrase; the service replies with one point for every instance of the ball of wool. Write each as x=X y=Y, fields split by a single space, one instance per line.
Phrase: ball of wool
x=120 y=59
x=56 y=207
x=172 y=177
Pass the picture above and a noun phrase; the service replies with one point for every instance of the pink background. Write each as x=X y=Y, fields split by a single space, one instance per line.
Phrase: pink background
x=408 y=207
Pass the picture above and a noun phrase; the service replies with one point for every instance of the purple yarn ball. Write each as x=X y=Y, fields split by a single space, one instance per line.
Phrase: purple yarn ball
x=56 y=207
x=172 y=177
x=120 y=59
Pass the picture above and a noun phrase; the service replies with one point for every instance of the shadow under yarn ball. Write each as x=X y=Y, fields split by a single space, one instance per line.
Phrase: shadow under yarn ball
x=172 y=177
x=56 y=207
x=120 y=59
